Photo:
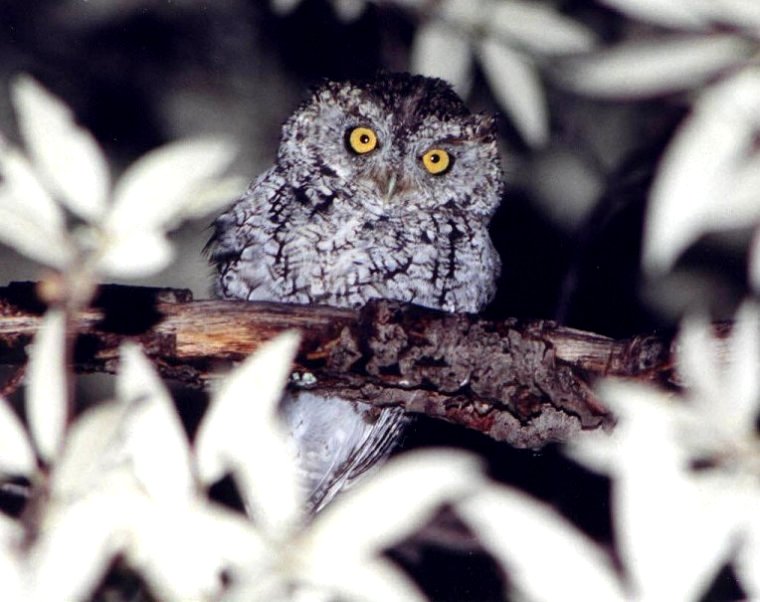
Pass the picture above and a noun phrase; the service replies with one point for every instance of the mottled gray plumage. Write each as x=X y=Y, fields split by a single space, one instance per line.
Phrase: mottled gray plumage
x=329 y=225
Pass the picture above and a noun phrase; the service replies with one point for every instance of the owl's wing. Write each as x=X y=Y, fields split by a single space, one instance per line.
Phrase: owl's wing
x=337 y=441
x=240 y=234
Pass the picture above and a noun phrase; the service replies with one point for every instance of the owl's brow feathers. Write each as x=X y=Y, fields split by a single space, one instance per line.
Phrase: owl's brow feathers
x=408 y=97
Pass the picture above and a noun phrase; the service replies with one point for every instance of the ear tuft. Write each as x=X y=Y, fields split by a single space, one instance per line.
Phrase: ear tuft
x=485 y=126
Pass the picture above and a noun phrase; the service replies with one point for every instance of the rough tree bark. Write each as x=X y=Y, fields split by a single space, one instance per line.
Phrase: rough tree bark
x=524 y=382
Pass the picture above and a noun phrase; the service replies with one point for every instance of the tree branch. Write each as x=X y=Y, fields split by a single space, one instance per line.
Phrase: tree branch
x=524 y=382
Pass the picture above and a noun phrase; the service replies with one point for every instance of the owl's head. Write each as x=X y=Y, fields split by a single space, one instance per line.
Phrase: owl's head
x=393 y=144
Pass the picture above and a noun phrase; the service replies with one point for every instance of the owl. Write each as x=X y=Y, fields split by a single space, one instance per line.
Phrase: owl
x=382 y=188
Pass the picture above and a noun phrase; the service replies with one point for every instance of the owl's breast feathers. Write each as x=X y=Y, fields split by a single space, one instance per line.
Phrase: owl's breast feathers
x=310 y=245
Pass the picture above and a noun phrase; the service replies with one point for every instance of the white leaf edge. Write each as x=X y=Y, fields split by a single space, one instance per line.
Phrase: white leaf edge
x=93 y=448
x=518 y=89
x=156 y=441
x=28 y=214
x=135 y=254
x=209 y=200
x=24 y=193
x=47 y=388
x=754 y=262
x=700 y=164
x=68 y=156
x=690 y=518
x=242 y=434
x=341 y=535
x=532 y=542
x=12 y=585
x=75 y=547
x=696 y=360
x=283 y=7
x=537 y=28
x=633 y=70
x=742 y=375
x=175 y=568
x=748 y=555
x=25 y=236
x=742 y=13
x=16 y=451
x=378 y=580
x=662 y=12
x=435 y=40
x=153 y=192
x=349 y=10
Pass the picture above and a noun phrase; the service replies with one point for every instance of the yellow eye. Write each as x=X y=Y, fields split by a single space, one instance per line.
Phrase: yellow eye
x=362 y=140
x=436 y=161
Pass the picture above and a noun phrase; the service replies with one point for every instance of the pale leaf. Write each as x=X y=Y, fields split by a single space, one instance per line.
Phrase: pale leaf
x=16 y=453
x=13 y=536
x=741 y=377
x=217 y=196
x=152 y=193
x=157 y=444
x=743 y=199
x=11 y=571
x=596 y=451
x=670 y=13
x=23 y=193
x=12 y=533
x=135 y=254
x=745 y=14
x=177 y=552
x=754 y=262
x=696 y=358
x=241 y=434
x=517 y=86
x=342 y=535
x=255 y=585
x=545 y=557
x=349 y=10
x=672 y=543
x=283 y=7
x=235 y=537
x=466 y=15
x=644 y=69
x=47 y=386
x=25 y=236
x=536 y=27
x=636 y=404
x=608 y=453
x=378 y=580
x=440 y=50
x=28 y=215
x=688 y=196
x=412 y=4
x=748 y=556
x=75 y=547
x=95 y=445
x=68 y=156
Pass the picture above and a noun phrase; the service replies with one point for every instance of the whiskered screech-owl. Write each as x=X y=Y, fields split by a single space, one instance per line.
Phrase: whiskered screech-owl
x=381 y=189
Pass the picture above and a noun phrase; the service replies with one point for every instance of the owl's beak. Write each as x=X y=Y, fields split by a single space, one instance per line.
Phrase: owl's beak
x=390 y=186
